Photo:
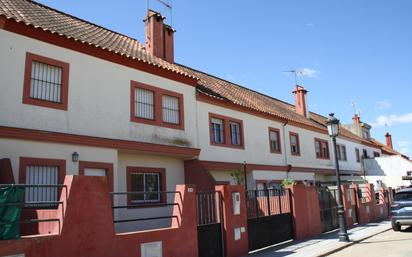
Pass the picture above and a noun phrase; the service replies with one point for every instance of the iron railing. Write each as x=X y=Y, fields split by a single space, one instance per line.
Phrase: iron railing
x=209 y=207
x=23 y=204
x=133 y=203
x=267 y=202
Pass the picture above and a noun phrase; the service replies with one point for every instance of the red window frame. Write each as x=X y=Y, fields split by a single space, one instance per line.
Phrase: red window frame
x=357 y=154
x=338 y=150
x=99 y=165
x=226 y=136
x=26 y=161
x=30 y=57
x=158 y=93
x=322 y=143
x=277 y=131
x=162 y=183
x=297 y=142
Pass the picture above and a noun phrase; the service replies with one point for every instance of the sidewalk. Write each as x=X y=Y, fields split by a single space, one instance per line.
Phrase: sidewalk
x=324 y=244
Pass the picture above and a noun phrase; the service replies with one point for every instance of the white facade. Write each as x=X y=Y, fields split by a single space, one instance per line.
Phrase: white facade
x=98 y=106
x=389 y=170
x=257 y=150
x=99 y=96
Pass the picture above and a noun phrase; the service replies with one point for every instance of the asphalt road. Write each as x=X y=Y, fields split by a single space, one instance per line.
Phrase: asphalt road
x=387 y=244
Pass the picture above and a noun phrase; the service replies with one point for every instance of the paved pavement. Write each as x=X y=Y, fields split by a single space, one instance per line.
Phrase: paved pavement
x=325 y=243
x=388 y=244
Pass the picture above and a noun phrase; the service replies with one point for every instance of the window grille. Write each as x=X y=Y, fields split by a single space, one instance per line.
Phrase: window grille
x=46 y=82
x=145 y=182
x=41 y=175
x=217 y=131
x=144 y=103
x=235 y=138
x=170 y=105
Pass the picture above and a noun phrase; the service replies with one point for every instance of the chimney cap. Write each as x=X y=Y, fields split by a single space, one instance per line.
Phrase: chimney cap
x=299 y=88
x=151 y=13
x=169 y=28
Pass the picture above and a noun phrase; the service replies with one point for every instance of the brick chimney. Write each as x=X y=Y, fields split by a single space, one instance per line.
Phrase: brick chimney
x=389 y=140
x=159 y=36
x=301 y=104
x=356 y=120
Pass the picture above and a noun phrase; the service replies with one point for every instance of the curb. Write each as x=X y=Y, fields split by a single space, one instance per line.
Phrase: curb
x=340 y=248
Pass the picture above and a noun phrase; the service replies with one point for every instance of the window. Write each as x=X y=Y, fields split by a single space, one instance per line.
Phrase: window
x=98 y=169
x=218 y=131
x=225 y=131
x=156 y=106
x=357 y=154
x=376 y=154
x=294 y=143
x=365 y=133
x=341 y=151
x=321 y=148
x=147 y=184
x=274 y=140
x=144 y=103
x=365 y=153
x=36 y=171
x=170 y=105
x=45 y=82
x=235 y=133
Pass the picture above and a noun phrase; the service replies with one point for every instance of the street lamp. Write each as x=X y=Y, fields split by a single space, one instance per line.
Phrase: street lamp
x=333 y=130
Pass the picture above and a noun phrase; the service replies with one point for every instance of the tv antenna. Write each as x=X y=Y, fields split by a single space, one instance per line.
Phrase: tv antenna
x=355 y=108
x=294 y=73
x=166 y=5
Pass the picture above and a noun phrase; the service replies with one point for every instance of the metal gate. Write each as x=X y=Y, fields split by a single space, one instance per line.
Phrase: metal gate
x=354 y=206
x=209 y=211
x=328 y=208
x=269 y=217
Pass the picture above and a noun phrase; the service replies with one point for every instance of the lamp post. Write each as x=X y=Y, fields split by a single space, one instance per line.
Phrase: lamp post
x=333 y=131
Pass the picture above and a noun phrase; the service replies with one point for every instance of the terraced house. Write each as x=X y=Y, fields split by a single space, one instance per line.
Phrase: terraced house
x=80 y=99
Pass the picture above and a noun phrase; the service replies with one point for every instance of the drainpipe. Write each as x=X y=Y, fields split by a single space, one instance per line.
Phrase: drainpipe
x=362 y=163
x=245 y=174
x=285 y=151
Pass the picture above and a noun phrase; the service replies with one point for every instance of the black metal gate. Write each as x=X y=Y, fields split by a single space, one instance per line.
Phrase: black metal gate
x=210 y=224
x=269 y=217
x=354 y=204
x=328 y=208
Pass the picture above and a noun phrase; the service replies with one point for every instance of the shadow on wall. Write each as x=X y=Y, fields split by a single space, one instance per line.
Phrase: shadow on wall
x=373 y=168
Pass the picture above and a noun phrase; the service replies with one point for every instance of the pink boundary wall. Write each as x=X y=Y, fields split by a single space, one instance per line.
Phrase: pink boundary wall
x=234 y=248
x=306 y=211
x=88 y=228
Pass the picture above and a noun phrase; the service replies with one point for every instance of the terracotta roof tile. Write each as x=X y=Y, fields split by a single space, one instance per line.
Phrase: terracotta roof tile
x=56 y=22
x=225 y=90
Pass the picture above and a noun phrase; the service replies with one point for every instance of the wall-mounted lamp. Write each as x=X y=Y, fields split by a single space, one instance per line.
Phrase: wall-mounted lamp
x=75 y=157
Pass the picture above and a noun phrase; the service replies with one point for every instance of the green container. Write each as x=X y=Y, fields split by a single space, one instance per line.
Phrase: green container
x=10 y=210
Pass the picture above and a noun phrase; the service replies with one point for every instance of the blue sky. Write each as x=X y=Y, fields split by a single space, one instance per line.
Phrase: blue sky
x=351 y=50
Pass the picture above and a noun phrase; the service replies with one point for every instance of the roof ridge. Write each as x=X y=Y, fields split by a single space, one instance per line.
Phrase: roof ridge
x=85 y=21
x=236 y=84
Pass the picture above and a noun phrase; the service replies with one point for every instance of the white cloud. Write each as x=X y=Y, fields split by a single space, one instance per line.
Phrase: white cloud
x=392 y=119
x=309 y=25
x=306 y=72
x=381 y=105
